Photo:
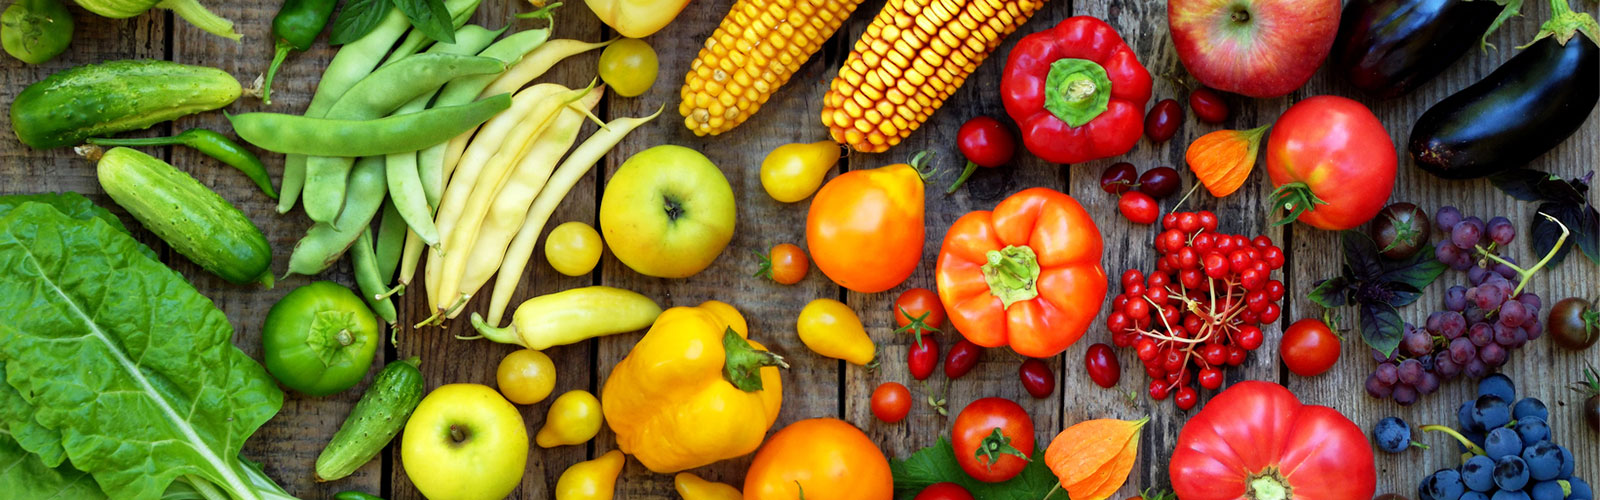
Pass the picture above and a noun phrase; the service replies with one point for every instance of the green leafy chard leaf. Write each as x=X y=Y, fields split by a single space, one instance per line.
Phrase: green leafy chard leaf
x=72 y=204
x=16 y=419
x=129 y=362
x=25 y=476
x=937 y=464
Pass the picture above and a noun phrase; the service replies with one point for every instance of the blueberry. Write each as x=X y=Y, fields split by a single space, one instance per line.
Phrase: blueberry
x=1544 y=460
x=1510 y=473
x=1509 y=495
x=1499 y=385
x=1580 y=490
x=1530 y=407
x=1532 y=428
x=1392 y=435
x=1490 y=412
x=1478 y=473
x=1567 y=463
x=1547 y=490
x=1502 y=442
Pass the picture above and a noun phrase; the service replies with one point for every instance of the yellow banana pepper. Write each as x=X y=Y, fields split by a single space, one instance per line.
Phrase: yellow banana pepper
x=572 y=316
x=693 y=391
x=636 y=18
x=692 y=487
x=592 y=480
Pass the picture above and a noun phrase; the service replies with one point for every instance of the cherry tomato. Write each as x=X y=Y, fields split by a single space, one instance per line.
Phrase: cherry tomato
x=1208 y=105
x=786 y=265
x=1159 y=182
x=1119 y=178
x=918 y=311
x=573 y=248
x=1002 y=430
x=1163 y=120
x=1573 y=323
x=922 y=357
x=986 y=143
x=1309 y=347
x=526 y=376
x=944 y=491
x=962 y=357
x=1138 y=207
x=1037 y=378
x=1101 y=363
x=629 y=67
x=891 y=402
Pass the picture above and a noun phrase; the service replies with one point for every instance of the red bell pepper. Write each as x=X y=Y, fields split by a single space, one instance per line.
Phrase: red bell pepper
x=1077 y=91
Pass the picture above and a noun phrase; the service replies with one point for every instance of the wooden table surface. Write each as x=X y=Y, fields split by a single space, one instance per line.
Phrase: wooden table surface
x=815 y=386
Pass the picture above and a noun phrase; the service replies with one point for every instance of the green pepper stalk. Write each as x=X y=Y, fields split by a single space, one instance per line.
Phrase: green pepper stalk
x=295 y=27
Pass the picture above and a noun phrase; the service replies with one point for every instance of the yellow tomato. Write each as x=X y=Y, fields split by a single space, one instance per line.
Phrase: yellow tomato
x=574 y=418
x=573 y=248
x=792 y=172
x=629 y=66
x=828 y=327
x=591 y=480
x=692 y=487
x=526 y=377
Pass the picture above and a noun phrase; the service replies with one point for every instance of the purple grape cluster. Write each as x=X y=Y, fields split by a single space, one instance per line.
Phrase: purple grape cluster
x=1479 y=326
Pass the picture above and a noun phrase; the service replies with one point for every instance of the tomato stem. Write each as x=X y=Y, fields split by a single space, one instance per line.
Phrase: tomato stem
x=993 y=446
x=1297 y=198
x=1269 y=484
x=917 y=325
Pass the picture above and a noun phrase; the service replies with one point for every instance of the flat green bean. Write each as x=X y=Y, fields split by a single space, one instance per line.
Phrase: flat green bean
x=390 y=240
x=372 y=285
x=323 y=244
x=355 y=138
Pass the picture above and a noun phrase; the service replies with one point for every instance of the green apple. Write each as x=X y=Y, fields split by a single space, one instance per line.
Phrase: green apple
x=667 y=212
x=465 y=442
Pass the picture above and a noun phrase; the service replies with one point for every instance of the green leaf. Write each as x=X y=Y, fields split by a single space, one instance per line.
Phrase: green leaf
x=1381 y=326
x=429 y=17
x=356 y=19
x=16 y=419
x=1416 y=272
x=937 y=464
x=1361 y=255
x=132 y=365
x=73 y=204
x=25 y=476
x=1330 y=293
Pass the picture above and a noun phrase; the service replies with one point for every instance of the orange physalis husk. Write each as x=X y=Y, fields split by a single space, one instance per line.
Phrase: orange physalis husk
x=1222 y=160
x=1093 y=458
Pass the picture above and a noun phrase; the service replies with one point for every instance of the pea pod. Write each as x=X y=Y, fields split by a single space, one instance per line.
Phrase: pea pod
x=295 y=27
x=395 y=134
x=324 y=243
x=571 y=316
x=364 y=261
x=209 y=143
x=36 y=31
x=355 y=495
x=375 y=420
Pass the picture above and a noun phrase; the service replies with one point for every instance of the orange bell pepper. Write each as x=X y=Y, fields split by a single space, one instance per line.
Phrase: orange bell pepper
x=1026 y=275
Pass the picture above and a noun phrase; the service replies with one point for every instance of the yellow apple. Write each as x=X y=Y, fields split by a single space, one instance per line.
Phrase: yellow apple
x=465 y=442
x=667 y=212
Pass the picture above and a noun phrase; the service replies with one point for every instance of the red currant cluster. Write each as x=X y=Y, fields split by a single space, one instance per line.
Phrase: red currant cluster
x=1200 y=309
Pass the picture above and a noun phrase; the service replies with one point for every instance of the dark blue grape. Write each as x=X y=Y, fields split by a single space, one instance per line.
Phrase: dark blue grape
x=1547 y=490
x=1464 y=418
x=1568 y=464
x=1473 y=495
x=1478 y=473
x=1509 y=495
x=1490 y=411
x=1580 y=490
x=1502 y=442
x=1532 y=428
x=1392 y=435
x=1510 y=473
x=1530 y=407
x=1423 y=491
x=1445 y=485
x=1544 y=460
x=1498 y=385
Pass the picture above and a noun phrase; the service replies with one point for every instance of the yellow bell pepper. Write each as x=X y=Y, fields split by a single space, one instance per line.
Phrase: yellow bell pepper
x=693 y=391
x=692 y=487
x=636 y=18
x=592 y=480
x=574 y=418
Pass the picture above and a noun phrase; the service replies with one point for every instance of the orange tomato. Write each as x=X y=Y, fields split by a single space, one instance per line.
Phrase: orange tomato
x=864 y=228
x=785 y=265
x=828 y=458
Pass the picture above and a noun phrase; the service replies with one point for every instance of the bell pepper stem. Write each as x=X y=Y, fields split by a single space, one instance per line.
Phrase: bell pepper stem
x=965 y=173
x=1077 y=90
x=1012 y=273
x=504 y=335
x=744 y=362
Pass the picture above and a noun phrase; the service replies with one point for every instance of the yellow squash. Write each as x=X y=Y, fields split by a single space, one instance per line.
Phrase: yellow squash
x=693 y=391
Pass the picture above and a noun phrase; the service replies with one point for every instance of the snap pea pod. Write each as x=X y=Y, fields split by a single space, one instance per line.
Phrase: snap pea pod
x=209 y=143
x=355 y=495
x=374 y=290
x=390 y=240
x=395 y=134
x=324 y=243
x=295 y=27
x=377 y=95
x=416 y=40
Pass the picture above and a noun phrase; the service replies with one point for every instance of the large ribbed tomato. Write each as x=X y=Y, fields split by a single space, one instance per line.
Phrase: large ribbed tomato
x=864 y=229
x=1256 y=441
x=1330 y=158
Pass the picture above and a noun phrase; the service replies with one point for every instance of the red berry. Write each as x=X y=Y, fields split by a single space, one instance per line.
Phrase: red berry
x=1037 y=378
x=1215 y=354
x=1102 y=365
x=1158 y=280
x=1253 y=279
x=1216 y=265
x=1131 y=277
x=1146 y=349
x=1161 y=123
x=1172 y=361
x=1188 y=223
x=1185 y=398
x=1136 y=308
x=1248 y=337
x=1256 y=301
x=1239 y=260
x=1158 y=389
x=1191 y=278
x=1119 y=178
x=1273 y=257
x=1236 y=355
x=1270 y=314
x=1203 y=242
x=1171 y=240
x=1208 y=105
x=1138 y=207
x=1159 y=182
x=1210 y=378
x=1169 y=221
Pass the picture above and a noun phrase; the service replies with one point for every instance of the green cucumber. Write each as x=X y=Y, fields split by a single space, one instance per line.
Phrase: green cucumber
x=376 y=419
x=194 y=220
x=97 y=100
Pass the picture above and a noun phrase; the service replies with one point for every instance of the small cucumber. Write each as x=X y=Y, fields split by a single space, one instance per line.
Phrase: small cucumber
x=375 y=420
x=97 y=100
x=194 y=220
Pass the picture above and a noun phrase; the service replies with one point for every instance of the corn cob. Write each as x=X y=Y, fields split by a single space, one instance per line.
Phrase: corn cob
x=912 y=57
x=758 y=46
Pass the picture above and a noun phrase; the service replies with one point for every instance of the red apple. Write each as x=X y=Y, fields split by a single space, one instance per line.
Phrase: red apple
x=1257 y=48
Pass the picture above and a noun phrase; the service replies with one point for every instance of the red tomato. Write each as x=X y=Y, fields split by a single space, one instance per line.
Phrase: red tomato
x=1101 y=363
x=962 y=357
x=922 y=357
x=891 y=402
x=1309 y=347
x=1138 y=207
x=1257 y=436
x=1324 y=146
x=918 y=311
x=996 y=424
x=1037 y=378
x=944 y=491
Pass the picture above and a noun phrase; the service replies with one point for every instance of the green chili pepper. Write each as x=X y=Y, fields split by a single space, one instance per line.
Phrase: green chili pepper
x=35 y=31
x=355 y=495
x=211 y=144
x=296 y=27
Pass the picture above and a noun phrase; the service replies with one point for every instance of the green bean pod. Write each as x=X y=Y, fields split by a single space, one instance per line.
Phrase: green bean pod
x=374 y=288
x=209 y=143
x=355 y=138
x=324 y=243
x=390 y=240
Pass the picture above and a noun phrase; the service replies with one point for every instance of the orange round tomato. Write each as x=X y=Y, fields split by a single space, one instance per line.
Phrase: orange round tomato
x=1332 y=162
x=828 y=458
x=786 y=265
x=865 y=229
